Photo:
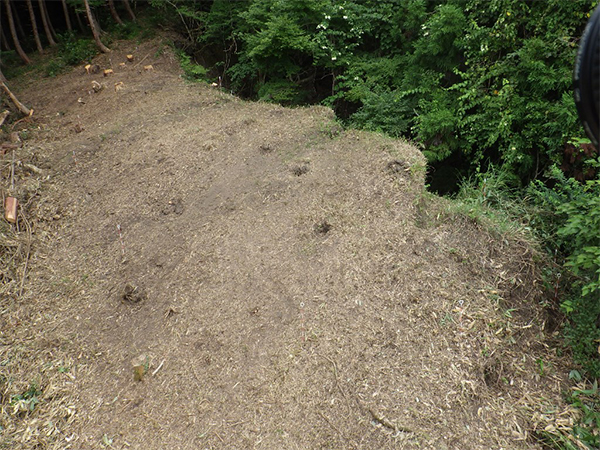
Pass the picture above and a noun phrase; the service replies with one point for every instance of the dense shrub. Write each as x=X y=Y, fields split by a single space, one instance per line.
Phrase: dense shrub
x=569 y=220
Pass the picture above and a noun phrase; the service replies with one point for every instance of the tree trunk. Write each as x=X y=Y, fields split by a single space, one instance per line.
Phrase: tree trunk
x=24 y=109
x=103 y=48
x=51 y=40
x=36 y=35
x=49 y=21
x=67 y=18
x=13 y=32
x=4 y=40
x=129 y=10
x=113 y=12
x=17 y=19
x=79 y=22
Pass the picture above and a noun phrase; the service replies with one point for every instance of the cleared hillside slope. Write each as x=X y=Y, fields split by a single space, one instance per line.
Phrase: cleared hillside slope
x=286 y=283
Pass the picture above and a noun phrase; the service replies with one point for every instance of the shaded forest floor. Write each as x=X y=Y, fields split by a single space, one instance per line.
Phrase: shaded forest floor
x=275 y=282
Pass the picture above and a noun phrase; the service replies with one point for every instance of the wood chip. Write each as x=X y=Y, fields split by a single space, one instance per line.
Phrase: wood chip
x=10 y=209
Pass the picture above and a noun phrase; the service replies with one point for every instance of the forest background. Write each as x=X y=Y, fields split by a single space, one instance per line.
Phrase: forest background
x=483 y=87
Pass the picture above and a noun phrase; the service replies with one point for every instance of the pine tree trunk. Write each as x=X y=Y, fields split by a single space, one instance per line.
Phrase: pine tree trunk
x=3 y=39
x=17 y=19
x=13 y=32
x=129 y=10
x=103 y=48
x=51 y=40
x=49 y=22
x=36 y=35
x=24 y=109
x=79 y=21
x=113 y=12
x=67 y=18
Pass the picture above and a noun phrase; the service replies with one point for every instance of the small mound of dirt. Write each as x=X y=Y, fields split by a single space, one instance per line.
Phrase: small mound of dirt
x=300 y=170
x=322 y=227
x=133 y=294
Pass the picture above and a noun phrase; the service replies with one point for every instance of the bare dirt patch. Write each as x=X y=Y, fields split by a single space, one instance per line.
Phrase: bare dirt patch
x=271 y=283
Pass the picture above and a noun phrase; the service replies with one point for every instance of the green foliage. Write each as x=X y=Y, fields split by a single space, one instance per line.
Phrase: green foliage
x=588 y=402
x=11 y=65
x=490 y=198
x=586 y=430
x=568 y=220
x=581 y=231
x=280 y=91
x=71 y=51
x=383 y=111
x=192 y=70
x=28 y=399
x=129 y=30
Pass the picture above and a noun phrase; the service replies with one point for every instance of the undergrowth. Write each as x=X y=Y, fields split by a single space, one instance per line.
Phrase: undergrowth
x=192 y=71
x=72 y=50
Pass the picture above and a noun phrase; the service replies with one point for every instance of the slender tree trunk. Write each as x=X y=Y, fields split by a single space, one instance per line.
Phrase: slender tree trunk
x=49 y=21
x=79 y=21
x=51 y=40
x=67 y=18
x=113 y=12
x=36 y=35
x=129 y=10
x=24 y=109
x=17 y=19
x=13 y=32
x=4 y=40
x=103 y=48
x=97 y=23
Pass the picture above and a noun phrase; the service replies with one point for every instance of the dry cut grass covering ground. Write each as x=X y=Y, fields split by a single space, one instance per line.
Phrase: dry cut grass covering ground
x=279 y=282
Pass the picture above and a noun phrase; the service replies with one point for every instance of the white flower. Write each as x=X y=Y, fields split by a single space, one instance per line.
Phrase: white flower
x=333 y=58
x=345 y=17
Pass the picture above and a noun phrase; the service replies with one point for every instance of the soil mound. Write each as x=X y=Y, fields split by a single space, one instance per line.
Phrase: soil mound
x=212 y=273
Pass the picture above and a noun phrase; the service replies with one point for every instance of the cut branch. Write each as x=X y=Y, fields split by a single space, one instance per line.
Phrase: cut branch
x=24 y=109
